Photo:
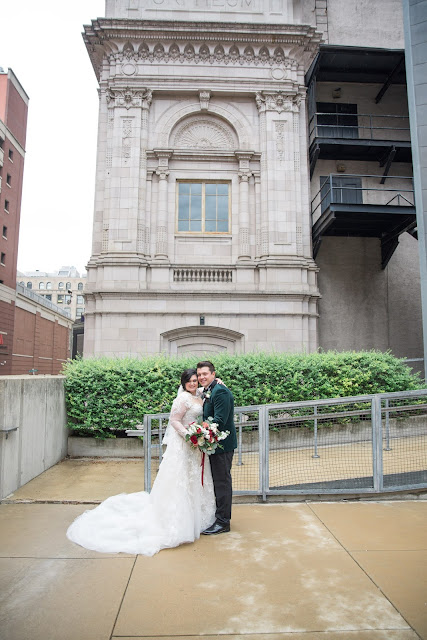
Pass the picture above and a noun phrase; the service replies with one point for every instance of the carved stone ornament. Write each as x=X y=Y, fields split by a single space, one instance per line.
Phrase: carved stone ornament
x=204 y=97
x=277 y=101
x=129 y=97
x=205 y=53
x=204 y=133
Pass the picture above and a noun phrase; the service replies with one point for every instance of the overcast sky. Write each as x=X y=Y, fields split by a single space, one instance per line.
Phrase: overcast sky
x=41 y=41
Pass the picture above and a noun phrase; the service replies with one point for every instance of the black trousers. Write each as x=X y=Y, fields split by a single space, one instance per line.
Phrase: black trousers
x=221 y=474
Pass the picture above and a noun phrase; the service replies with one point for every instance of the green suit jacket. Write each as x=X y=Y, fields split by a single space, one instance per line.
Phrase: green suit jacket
x=220 y=406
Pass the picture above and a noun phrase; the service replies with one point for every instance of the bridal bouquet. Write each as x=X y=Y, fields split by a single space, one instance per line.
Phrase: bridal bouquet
x=205 y=436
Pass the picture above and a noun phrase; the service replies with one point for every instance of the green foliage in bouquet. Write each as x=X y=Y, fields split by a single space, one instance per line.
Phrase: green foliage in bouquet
x=110 y=394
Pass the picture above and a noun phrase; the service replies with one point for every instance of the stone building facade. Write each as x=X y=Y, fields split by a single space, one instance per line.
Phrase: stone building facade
x=203 y=225
x=64 y=288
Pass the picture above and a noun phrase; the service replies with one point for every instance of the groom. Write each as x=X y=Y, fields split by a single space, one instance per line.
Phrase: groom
x=219 y=403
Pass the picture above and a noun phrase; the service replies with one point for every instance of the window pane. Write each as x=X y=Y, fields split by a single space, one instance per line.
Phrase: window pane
x=183 y=207
x=195 y=225
x=211 y=189
x=222 y=225
x=222 y=208
x=196 y=188
x=183 y=225
x=223 y=189
x=210 y=207
x=196 y=208
x=210 y=225
x=184 y=187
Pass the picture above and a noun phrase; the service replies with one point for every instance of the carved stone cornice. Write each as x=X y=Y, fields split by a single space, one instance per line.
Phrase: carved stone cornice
x=129 y=97
x=277 y=101
x=233 y=44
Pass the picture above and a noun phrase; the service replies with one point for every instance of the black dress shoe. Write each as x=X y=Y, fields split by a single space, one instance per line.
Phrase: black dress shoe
x=215 y=528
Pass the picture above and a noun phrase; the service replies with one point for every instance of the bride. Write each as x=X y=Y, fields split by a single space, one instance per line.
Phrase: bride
x=178 y=508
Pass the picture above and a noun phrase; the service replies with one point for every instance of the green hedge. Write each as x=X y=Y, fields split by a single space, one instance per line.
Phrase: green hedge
x=105 y=395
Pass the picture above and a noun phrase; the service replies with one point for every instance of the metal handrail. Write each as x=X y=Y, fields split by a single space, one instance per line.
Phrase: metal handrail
x=314 y=124
x=329 y=182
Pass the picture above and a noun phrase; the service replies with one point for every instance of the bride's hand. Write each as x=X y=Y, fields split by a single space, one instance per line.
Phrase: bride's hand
x=219 y=381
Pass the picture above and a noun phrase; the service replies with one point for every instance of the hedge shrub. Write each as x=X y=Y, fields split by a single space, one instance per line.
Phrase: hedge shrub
x=107 y=394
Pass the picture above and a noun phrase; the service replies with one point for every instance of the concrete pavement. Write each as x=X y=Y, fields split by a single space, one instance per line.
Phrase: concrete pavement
x=292 y=571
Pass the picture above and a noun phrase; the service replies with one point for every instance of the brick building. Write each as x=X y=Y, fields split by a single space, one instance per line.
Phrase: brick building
x=34 y=334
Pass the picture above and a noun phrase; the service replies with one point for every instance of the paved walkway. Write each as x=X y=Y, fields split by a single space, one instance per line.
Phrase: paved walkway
x=293 y=571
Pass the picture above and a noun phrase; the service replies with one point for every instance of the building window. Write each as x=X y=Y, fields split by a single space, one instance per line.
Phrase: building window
x=8 y=180
x=203 y=207
x=80 y=300
x=48 y=285
x=6 y=206
x=4 y=232
x=337 y=120
x=61 y=285
x=3 y=258
x=48 y=296
x=11 y=155
x=67 y=299
x=68 y=286
x=22 y=284
x=80 y=286
x=79 y=312
x=41 y=285
x=29 y=285
x=60 y=298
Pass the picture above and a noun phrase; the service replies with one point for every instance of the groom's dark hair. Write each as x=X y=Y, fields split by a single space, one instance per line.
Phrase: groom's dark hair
x=206 y=363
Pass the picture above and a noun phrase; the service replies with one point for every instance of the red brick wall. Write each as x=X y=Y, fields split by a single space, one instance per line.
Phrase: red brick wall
x=7 y=312
x=15 y=112
x=3 y=96
x=39 y=343
x=10 y=218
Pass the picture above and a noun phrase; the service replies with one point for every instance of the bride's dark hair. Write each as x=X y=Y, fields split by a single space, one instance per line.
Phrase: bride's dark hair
x=186 y=376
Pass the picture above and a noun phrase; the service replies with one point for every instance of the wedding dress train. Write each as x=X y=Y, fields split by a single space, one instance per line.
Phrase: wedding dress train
x=176 y=511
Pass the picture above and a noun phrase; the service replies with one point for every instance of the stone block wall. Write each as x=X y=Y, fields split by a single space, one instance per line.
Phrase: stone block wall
x=35 y=407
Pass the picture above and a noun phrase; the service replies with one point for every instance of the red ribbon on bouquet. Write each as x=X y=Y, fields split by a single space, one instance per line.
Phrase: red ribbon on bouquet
x=202 y=464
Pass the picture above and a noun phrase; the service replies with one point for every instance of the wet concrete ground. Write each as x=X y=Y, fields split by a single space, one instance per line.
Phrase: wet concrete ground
x=292 y=571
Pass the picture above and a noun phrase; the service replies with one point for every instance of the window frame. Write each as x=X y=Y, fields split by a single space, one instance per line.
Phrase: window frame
x=203 y=232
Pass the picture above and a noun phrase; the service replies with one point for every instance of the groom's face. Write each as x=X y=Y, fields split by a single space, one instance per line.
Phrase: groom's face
x=205 y=376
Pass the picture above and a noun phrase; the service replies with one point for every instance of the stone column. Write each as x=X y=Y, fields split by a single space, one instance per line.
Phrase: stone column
x=162 y=205
x=244 y=234
x=280 y=179
x=257 y=185
x=125 y=147
x=143 y=245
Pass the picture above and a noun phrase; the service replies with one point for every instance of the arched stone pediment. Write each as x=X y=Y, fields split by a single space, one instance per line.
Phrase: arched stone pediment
x=200 y=340
x=204 y=133
x=227 y=116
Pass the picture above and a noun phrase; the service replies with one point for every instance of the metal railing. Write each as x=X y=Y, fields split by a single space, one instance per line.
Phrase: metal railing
x=361 y=126
x=355 y=189
x=29 y=293
x=354 y=445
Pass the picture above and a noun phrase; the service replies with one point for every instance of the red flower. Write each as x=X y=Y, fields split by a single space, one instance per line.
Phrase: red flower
x=194 y=440
x=199 y=430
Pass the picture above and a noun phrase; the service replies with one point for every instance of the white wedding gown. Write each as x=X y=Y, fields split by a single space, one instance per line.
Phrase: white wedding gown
x=176 y=511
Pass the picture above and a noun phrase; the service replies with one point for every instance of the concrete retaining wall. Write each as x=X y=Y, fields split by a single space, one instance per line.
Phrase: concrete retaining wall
x=36 y=406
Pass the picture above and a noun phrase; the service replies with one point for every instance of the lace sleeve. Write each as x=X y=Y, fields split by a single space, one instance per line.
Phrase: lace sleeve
x=178 y=411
